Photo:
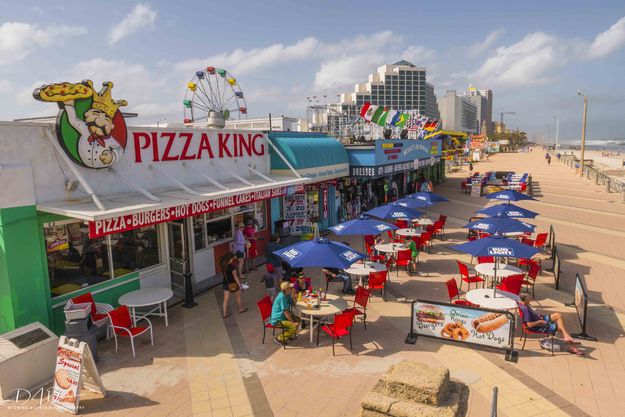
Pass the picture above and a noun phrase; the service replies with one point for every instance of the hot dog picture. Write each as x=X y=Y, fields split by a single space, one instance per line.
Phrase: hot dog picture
x=489 y=322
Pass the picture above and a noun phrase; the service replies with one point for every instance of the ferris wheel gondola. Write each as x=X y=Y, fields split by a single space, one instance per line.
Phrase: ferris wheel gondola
x=213 y=93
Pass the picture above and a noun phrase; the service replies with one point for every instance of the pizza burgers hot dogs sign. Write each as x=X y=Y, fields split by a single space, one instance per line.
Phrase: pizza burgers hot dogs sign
x=463 y=324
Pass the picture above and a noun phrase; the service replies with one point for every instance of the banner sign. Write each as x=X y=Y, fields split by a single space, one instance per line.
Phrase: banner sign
x=294 y=210
x=405 y=150
x=124 y=223
x=478 y=326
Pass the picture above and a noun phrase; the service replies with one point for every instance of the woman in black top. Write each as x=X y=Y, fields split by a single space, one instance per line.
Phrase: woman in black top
x=230 y=275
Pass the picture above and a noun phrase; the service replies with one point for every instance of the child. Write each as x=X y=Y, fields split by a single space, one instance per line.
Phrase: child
x=269 y=279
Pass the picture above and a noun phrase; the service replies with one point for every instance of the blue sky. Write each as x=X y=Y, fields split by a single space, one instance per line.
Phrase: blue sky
x=533 y=55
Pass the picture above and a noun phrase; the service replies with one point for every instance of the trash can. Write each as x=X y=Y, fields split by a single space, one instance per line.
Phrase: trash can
x=83 y=330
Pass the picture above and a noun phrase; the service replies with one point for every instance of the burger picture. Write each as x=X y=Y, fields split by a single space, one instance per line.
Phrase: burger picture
x=428 y=313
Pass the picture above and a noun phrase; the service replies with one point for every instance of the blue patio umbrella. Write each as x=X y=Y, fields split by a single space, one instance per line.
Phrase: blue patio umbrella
x=319 y=252
x=413 y=203
x=508 y=210
x=394 y=211
x=508 y=195
x=428 y=197
x=500 y=225
x=363 y=225
x=498 y=247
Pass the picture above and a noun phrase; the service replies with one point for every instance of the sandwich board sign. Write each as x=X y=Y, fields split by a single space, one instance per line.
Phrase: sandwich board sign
x=75 y=369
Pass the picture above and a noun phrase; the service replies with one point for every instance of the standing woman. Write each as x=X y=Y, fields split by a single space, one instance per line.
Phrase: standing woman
x=238 y=247
x=252 y=252
x=231 y=283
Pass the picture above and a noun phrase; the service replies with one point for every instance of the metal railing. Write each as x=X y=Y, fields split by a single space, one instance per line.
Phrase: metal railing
x=611 y=184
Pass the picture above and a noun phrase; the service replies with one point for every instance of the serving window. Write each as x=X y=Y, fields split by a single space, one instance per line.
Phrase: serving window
x=75 y=261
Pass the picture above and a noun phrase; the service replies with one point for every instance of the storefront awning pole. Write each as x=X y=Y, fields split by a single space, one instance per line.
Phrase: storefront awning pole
x=234 y=174
x=175 y=181
x=137 y=187
x=275 y=148
x=74 y=169
x=260 y=174
x=209 y=179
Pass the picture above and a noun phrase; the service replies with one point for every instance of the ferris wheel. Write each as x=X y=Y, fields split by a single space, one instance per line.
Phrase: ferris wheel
x=213 y=90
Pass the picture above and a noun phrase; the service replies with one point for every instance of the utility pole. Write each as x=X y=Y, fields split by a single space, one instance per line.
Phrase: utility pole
x=557 y=130
x=581 y=153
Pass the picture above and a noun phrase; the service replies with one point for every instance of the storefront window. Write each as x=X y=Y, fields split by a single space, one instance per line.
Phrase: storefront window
x=219 y=229
x=75 y=261
x=134 y=249
x=199 y=234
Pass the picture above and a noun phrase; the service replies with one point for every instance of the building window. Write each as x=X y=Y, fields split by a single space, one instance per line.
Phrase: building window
x=75 y=261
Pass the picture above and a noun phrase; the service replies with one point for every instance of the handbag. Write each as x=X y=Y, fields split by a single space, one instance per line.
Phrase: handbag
x=233 y=287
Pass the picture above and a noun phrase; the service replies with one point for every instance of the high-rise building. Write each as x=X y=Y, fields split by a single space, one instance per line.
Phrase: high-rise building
x=458 y=113
x=400 y=86
x=483 y=100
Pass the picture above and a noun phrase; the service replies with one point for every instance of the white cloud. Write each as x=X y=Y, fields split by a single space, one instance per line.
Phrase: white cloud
x=141 y=17
x=609 y=41
x=528 y=61
x=18 y=40
x=481 y=47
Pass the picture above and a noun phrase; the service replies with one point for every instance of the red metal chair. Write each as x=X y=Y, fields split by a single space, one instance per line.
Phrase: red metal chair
x=523 y=187
x=403 y=259
x=391 y=237
x=121 y=325
x=466 y=277
x=361 y=300
x=512 y=284
x=528 y=330
x=530 y=278
x=454 y=295
x=264 y=306
x=98 y=311
x=485 y=259
x=372 y=256
x=377 y=281
x=529 y=262
x=370 y=240
x=541 y=240
x=342 y=326
x=402 y=224
x=426 y=241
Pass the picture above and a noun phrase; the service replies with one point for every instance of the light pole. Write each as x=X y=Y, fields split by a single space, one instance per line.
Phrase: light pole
x=557 y=130
x=581 y=153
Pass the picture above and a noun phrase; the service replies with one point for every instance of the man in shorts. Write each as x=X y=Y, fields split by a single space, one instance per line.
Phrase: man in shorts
x=545 y=323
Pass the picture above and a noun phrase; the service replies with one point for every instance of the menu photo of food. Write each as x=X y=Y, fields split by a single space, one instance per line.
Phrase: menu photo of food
x=462 y=324
x=66 y=379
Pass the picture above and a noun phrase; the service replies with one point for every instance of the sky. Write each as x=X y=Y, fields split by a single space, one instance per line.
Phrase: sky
x=533 y=55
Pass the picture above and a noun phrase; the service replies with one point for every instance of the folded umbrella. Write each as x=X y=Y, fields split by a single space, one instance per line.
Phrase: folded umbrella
x=508 y=210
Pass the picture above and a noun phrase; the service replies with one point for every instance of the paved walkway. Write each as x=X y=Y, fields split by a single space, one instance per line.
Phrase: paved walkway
x=202 y=365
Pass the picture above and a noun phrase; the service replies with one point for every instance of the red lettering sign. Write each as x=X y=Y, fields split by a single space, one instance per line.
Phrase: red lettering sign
x=119 y=224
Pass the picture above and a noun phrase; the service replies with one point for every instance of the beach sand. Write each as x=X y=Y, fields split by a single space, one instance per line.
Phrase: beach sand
x=609 y=165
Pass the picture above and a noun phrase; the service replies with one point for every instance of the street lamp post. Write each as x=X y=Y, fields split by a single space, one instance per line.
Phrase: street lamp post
x=557 y=130
x=581 y=153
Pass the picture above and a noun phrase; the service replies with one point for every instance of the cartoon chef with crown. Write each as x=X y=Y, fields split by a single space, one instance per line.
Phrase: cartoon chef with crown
x=94 y=140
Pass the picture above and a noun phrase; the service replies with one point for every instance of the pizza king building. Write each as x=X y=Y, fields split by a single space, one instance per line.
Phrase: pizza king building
x=166 y=204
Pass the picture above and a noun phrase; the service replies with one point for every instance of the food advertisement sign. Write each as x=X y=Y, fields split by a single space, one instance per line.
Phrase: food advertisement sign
x=295 y=211
x=462 y=324
x=66 y=379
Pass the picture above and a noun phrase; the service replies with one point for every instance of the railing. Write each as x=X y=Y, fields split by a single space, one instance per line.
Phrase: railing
x=612 y=185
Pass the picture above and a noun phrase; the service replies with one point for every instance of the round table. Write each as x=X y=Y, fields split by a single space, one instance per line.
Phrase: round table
x=363 y=270
x=423 y=221
x=503 y=270
x=333 y=304
x=391 y=247
x=146 y=297
x=409 y=232
x=499 y=300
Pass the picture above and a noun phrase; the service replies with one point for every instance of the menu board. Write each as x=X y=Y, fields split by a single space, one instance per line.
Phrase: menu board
x=295 y=211
x=462 y=324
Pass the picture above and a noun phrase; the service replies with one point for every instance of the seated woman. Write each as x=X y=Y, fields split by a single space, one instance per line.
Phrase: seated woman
x=301 y=284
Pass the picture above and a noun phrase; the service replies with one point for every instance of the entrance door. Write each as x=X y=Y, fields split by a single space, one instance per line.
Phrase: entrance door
x=178 y=255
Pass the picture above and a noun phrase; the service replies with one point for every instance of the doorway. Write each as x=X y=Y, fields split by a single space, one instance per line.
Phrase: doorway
x=178 y=255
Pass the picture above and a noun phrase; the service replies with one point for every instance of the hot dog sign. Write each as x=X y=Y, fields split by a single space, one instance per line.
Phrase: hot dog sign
x=460 y=324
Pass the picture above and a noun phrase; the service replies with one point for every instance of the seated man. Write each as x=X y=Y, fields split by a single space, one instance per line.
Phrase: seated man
x=336 y=275
x=281 y=314
x=547 y=323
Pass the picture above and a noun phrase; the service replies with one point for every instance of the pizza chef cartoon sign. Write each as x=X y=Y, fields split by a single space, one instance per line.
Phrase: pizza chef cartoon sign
x=90 y=127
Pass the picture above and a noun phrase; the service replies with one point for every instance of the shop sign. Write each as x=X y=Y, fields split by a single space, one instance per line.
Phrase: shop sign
x=294 y=208
x=362 y=171
x=463 y=324
x=405 y=150
x=133 y=221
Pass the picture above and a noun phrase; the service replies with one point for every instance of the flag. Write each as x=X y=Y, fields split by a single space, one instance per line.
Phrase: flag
x=430 y=126
x=369 y=114
x=376 y=115
x=392 y=114
x=393 y=120
x=401 y=120
x=364 y=109
x=383 y=119
x=412 y=124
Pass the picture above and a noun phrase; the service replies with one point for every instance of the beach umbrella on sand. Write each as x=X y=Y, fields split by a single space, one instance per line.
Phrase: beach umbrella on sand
x=498 y=247
x=394 y=211
x=508 y=195
x=362 y=226
x=508 y=210
x=500 y=225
